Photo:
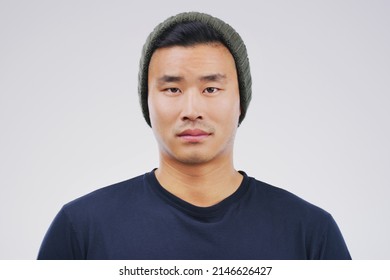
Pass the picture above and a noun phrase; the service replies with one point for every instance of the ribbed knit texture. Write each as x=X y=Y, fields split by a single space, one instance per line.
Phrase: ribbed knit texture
x=231 y=39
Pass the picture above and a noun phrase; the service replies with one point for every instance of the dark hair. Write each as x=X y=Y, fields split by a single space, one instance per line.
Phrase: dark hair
x=188 y=34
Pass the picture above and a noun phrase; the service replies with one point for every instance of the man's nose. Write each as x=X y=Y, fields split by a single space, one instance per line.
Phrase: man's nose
x=192 y=106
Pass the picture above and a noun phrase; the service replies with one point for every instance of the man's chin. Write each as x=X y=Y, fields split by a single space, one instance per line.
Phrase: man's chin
x=194 y=159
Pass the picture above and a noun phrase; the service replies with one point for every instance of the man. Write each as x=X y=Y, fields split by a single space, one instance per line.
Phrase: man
x=195 y=88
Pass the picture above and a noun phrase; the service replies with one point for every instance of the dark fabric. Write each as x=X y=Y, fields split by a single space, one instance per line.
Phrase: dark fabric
x=139 y=219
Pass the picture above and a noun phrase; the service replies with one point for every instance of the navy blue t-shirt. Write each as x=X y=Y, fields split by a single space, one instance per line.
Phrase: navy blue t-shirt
x=139 y=219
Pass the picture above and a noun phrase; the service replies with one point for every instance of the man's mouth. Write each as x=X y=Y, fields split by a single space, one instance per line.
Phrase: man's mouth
x=193 y=135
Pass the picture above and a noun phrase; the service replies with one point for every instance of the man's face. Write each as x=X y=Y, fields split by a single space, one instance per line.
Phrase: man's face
x=194 y=103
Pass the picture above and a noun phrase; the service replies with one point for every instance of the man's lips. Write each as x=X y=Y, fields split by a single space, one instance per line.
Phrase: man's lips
x=193 y=135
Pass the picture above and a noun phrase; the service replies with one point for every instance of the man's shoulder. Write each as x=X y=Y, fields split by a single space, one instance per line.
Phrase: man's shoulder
x=292 y=215
x=280 y=200
x=109 y=195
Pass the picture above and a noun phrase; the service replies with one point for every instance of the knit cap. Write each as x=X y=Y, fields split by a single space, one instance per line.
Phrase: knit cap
x=231 y=39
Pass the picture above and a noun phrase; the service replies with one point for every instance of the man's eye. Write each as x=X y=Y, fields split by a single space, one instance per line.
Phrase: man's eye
x=211 y=90
x=173 y=90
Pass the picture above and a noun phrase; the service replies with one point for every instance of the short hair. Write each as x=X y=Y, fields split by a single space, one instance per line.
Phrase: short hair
x=188 y=34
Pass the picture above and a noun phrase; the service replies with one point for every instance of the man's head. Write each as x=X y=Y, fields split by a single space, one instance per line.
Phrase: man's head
x=188 y=29
x=194 y=87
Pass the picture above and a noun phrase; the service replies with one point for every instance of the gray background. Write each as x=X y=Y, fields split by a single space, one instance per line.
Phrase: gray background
x=318 y=124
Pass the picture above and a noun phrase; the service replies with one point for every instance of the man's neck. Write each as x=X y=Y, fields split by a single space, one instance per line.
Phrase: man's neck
x=200 y=184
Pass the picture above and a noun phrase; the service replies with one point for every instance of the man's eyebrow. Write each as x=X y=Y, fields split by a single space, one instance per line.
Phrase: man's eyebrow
x=169 y=79
x=213 y=78
x=207 y=78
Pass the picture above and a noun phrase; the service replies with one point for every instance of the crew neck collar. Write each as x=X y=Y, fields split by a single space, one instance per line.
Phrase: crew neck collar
x=193 y=210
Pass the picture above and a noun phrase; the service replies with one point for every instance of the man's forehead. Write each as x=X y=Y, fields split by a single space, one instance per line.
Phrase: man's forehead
x=203 y=62
x=192 y=50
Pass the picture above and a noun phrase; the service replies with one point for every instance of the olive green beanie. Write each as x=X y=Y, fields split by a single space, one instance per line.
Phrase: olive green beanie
x=231 y=39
